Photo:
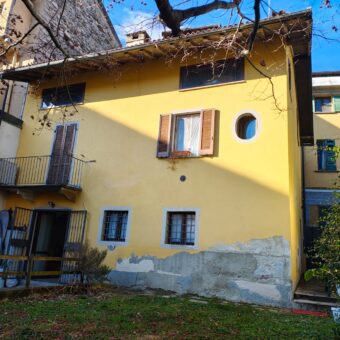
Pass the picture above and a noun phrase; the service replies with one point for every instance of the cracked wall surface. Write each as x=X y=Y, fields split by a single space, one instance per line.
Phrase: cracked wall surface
x=255 y=272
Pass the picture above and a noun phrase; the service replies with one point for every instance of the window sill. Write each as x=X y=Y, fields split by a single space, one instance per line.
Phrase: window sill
x=327 y=113
x=113 y=243
x=327 y=171
x=179 y=246
x=214 y=85
x=59 y=106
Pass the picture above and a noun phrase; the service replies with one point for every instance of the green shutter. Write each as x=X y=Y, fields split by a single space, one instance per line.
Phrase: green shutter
x=337 y=103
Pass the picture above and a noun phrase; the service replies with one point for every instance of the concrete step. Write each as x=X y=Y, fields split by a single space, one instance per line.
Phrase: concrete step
x=318 y=303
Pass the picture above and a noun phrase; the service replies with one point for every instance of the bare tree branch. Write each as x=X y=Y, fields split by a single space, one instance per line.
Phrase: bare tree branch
x=42 y=22
x=20 y=40
x=256 y=24
x=173 y=17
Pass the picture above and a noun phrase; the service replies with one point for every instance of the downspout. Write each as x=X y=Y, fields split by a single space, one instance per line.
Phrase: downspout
x=304 y=210
x=303 y=182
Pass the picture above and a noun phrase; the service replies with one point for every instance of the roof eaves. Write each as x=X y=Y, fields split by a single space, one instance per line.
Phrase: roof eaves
x=155 y=43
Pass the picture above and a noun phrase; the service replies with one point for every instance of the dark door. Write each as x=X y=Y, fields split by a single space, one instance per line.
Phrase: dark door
x=49 y=238
x=313 y=231
x=61 y=157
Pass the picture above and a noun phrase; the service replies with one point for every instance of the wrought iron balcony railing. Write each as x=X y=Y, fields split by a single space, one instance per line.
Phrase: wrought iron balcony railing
x=41 y=171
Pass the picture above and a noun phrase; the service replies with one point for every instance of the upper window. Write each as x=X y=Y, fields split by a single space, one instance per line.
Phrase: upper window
x=323 y=104
x=62 y=96
x=181 y=228
x=326 y=155
x=224 y=71
x=115 y=225
x=186 y=135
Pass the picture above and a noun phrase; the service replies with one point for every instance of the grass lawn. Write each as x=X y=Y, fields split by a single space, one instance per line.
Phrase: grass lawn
x=120 y=315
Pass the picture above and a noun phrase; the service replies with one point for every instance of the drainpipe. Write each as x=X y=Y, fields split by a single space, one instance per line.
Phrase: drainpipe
x=303 y=182
x=304 y=210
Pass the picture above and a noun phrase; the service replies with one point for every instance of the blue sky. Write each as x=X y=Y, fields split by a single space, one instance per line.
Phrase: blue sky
x=132 y=15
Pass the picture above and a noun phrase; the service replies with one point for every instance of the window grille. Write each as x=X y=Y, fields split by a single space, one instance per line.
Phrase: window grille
x=181 y=228
x=114 y=226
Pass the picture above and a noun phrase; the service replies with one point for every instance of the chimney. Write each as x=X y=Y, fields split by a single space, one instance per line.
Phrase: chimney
x=137 y=38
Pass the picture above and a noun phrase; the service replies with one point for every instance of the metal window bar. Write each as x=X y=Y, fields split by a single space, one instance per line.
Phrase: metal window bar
x=65 y=170
x=181 y=228
x=114 y=226
x=73 y=244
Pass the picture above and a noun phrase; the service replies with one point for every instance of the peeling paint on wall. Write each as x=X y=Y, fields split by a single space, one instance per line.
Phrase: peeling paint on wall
x=256 y=272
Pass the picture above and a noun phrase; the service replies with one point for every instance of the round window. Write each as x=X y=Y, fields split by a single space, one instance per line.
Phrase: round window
x=246 y=126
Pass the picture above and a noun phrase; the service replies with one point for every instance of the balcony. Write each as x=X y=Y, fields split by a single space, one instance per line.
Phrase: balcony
x=41 y=173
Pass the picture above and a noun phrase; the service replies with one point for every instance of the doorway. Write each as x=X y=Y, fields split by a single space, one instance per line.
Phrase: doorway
x=313 y=228
x=49 y=237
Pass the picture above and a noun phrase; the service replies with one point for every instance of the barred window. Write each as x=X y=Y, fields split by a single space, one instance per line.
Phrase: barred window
x=181 y=228
x=115 y=225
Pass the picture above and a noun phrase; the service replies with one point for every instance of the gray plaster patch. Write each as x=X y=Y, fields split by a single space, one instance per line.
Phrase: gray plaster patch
x=242 y=272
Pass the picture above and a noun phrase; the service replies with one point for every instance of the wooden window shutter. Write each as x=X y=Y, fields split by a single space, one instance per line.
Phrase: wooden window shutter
x=164 y=136
x=58 y=140
x=207 y=132
x=69 y=139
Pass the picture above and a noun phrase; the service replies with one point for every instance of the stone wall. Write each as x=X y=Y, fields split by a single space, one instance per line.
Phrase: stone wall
x=84 y=27
x=257 y=272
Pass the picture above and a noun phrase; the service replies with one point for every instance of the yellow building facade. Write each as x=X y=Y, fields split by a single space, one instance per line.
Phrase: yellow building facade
x=191 y=186
x=321 y=164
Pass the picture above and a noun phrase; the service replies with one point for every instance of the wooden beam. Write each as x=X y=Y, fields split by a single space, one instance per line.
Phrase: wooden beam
x=147 y=54
x=13 y=257
x=133 y=57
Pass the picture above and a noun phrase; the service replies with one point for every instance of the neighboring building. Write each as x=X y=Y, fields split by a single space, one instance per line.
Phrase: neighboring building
x=192 y=181
x=321 y=164
x=84 y=28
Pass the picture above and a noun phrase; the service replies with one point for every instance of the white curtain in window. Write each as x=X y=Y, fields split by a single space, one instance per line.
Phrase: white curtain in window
x=176 y=228
x=113 y=224
x=188 y=134
x=111 y=232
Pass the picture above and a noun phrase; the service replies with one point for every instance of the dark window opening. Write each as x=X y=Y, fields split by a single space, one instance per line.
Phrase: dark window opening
x=224 y=71
x=62 y=96
x=323 y=104
x=181 y=228
x=246 y=127
x=326 y=155
x=114 y=226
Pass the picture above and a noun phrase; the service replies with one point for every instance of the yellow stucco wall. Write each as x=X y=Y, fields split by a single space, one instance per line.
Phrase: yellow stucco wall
x=246 y=191
x=295 y=177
